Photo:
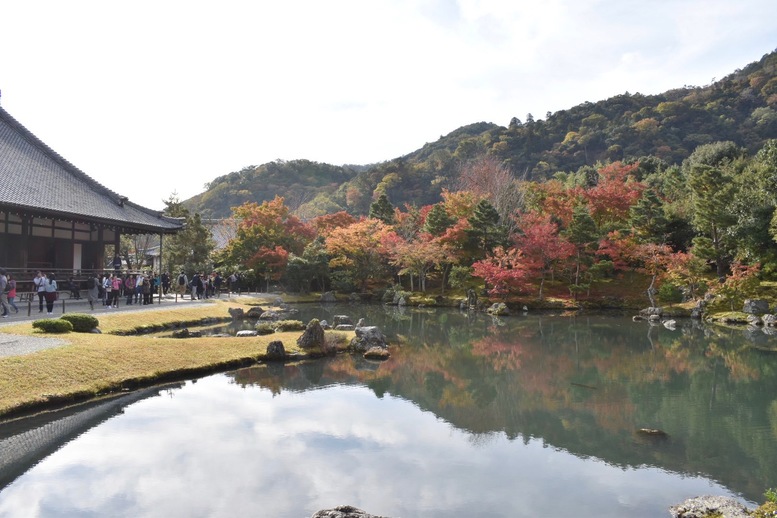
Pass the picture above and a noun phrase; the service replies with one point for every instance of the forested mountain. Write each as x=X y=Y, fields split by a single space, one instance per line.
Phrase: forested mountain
x=741 y=108
x=298 y=181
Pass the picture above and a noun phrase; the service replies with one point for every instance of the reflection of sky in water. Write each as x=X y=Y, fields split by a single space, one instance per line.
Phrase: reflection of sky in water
x=216 y=449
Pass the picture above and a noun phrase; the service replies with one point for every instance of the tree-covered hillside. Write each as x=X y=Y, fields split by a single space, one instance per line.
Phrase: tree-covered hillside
x=741 y=108
x=298 y=181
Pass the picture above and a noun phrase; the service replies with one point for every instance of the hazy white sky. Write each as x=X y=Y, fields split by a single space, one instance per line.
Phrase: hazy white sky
x=152 y=97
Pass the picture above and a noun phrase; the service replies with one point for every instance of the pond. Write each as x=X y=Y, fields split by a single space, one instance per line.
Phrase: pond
x=527 y=415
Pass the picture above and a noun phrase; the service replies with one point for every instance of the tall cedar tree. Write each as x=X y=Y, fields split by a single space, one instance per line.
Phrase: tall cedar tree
x=485 y=230
x=383 y=210
x=581 y=232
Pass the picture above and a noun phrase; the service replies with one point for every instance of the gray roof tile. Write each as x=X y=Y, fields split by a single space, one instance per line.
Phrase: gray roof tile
x=35 y=177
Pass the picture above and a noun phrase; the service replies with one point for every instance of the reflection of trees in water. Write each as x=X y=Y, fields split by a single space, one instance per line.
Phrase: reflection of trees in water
x=585 y=384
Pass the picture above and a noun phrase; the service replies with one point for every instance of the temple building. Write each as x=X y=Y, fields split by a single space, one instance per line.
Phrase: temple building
x=55 y=217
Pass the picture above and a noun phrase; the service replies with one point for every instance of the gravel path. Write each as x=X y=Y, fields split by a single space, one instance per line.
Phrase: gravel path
x=17 y=345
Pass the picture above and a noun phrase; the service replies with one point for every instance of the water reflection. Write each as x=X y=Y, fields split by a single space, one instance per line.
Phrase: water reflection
x=524 y=416
x=219 y=449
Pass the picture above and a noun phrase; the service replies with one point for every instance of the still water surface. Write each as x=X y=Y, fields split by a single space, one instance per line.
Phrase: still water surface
x=529 y=415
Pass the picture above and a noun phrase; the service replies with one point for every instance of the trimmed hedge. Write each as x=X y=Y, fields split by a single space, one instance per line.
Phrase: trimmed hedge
x=82 y=323
x=53 y=325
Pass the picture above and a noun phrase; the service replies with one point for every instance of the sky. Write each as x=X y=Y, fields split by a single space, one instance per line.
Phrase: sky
x=155 y=98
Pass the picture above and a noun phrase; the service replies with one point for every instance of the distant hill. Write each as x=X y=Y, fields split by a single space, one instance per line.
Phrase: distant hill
x=741 y=107
x=298 y=181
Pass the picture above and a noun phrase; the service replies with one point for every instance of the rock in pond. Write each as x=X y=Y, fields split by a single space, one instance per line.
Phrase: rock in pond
x=498 y=309
x=704 y=506
x=236 y=313
x=185 y=333
x=368 y=337
x=341 y=319
x=377 y=353
x=344 y=511
x=246 y=332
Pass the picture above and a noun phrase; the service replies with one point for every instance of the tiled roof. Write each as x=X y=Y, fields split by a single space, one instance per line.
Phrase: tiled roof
x=35 y=177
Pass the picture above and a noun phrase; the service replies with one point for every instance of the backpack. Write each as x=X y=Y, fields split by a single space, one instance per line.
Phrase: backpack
x=181 y=280
x=91 y=283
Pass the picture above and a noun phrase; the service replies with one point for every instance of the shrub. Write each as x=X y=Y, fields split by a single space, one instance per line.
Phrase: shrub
x=53 y=325
x=279 y=326
x=669 y=293
x=82 y=323
x=265 y=328
x=288 y=325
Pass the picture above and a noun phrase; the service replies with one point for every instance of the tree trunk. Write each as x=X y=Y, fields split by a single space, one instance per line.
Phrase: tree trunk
x=651 y=290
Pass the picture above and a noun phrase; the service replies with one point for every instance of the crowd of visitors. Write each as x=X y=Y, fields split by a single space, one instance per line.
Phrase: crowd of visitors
x=108 y=289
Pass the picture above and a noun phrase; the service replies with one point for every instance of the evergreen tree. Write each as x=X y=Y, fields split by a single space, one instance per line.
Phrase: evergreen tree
x=383 y=210
x=647 y=218
x=485 y=229
x=582 y=233
x=713 y=194
x=437 y=220
x=191 y=248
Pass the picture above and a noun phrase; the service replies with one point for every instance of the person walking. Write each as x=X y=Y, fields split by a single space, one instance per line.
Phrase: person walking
x=139 y=279
x=4 y=293
x=217 y=282
x=75 y=289
x=12 y=293
x=165 y=283
x=39 y=283
x=183 y=282
x=116 y=284
x=92 y=290
x=50 y=290
x=108 y=290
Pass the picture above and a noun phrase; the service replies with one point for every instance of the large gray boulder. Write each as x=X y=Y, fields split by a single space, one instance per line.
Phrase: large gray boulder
x=705 y=506
x=246 y=332
x=755 y=306
x=651 y=311
x=278 y=314
x=328 y=296
x=344 y=511
x=314 y=340
x=254 y=313
x=498 y=309
x=236 y=313
x=341 y=319
x=368 y=337
x=769 y=320
x=276 y=350
x=313 y=337
x=754 y=320
x=698 y=310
